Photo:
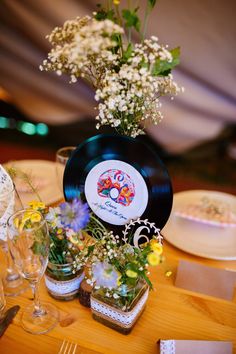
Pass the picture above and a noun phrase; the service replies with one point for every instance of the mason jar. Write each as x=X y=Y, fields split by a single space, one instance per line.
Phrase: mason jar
x=63 y=280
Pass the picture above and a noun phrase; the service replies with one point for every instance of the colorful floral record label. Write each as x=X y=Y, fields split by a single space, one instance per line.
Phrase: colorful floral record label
x=116 y=192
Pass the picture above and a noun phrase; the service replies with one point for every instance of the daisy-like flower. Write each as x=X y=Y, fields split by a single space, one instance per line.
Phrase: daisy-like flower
x=105 y=275
x=53 y=217
x=74 y=215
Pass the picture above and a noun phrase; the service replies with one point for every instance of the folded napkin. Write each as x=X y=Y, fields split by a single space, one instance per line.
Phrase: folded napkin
x=207 y=280
x=6 y=204
x=195 y=347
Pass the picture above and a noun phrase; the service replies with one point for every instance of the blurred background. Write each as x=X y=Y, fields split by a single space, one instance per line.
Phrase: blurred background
x=40 y=111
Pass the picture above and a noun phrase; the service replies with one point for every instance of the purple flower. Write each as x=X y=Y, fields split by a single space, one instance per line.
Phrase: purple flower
x=105 y=275
x=74 y=215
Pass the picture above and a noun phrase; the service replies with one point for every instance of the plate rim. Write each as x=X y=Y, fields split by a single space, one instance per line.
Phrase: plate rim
x=199 y=254
x=49 y=163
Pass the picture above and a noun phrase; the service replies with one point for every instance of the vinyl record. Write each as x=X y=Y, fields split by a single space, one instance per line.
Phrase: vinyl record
x=121 y=178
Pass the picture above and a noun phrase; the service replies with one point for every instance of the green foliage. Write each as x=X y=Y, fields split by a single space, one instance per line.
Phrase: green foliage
x=39 y=246
x=152 y=3
x=164 y=67
x=39 y=249
x=175 y=54
x=131 y=19
x=147 y=280
x=102 y=14
x=127 y=53
x=57 y=248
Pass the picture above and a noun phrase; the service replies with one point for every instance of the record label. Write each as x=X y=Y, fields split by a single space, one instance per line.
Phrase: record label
x=116 y=192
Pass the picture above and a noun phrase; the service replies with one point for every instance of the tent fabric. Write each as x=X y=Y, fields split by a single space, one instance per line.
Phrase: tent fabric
x=204 y=29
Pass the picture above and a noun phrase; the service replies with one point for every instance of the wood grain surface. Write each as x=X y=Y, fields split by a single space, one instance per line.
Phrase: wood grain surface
x=171 y=313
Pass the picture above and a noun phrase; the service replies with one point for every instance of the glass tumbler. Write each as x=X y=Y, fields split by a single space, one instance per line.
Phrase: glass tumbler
x=62 y=156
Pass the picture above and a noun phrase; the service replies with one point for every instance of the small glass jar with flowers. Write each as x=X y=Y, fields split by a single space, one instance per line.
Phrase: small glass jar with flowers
x=119 y=276
x=65 y=266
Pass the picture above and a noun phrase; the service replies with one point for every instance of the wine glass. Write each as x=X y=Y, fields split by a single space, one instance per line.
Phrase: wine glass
x=62 y=156
x=9 y=202
x=29 y=245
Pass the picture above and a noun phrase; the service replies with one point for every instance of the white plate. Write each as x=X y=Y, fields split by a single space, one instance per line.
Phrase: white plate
x=44 y=175
x=197 y=238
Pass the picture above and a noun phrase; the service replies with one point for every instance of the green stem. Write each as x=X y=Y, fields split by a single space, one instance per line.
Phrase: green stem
x=120 y=22
x=129 y=35
x=18 y=198
x=53 y=255
x=145 y=22
x=34 y=190
x=109 y=4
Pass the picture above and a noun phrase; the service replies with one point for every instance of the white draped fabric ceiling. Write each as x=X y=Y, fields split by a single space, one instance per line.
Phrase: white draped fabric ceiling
x=205 y=30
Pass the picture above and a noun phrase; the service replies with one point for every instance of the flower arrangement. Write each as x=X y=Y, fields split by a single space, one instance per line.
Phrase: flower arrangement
x=117 y=269
x=65 y=224
x=129 y=78
x=68 y=223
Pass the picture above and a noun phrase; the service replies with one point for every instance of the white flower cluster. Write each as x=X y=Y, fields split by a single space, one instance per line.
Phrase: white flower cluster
x=132 y=95
x=106 y=249
x=128 y=88
x=83 y=48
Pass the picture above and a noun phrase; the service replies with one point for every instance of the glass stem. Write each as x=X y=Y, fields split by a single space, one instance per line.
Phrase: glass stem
x=38 y=311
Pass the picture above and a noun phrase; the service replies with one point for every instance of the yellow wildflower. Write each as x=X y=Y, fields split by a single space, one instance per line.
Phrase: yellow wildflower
x=131 y=273
x=30 y=216
x=119 y=279
x=26 y=217
x=116 y=2
x=153 y=259
x=34 y=204
x=35 y=217
x=156 y=247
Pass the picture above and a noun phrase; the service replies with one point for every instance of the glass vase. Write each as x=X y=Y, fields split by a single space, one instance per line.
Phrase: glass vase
x=109 y=311
x=63 y=280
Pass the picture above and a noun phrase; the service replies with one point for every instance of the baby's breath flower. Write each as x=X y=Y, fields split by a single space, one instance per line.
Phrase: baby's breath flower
x=127 y=90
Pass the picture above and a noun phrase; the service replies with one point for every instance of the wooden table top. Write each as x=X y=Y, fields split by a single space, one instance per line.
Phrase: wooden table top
x=171 y=313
